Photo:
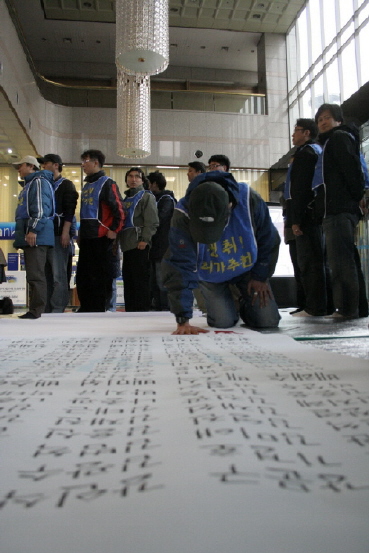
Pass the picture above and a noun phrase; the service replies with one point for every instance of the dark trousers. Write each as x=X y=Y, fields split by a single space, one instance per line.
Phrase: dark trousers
x=300 y=293
x=136 y=278
x=310 y=249
x=35 y=260
x=343 y=262
x=93 y=278
x=159 y=295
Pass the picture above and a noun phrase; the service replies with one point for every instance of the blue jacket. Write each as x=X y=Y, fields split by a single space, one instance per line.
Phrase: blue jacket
x=180 y=264
x=35 y=210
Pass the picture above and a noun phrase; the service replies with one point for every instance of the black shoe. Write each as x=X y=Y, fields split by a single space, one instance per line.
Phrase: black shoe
x=296 y=310
x=27 y=315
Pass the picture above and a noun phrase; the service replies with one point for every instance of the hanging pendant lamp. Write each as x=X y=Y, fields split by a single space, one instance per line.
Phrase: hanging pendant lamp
x=133 y=116
x=142 y=36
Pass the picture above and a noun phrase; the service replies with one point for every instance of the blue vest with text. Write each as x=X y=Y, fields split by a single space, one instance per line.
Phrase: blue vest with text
x=236 y=252
x=130 y=204
x=90 y=196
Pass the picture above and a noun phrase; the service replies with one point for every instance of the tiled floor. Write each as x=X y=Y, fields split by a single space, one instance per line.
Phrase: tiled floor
x=350 y=337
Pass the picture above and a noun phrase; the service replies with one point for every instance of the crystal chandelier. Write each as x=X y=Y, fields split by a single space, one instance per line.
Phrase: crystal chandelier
x=133 y=116
x=142 y=36
x=142 y=49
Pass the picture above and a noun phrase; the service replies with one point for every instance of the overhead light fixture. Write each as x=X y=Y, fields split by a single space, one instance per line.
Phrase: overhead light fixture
x=142 y=36
x=142 y=49
x=133 y=116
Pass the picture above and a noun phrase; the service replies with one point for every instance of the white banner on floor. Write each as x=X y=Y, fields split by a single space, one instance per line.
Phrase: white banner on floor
x=137 y=443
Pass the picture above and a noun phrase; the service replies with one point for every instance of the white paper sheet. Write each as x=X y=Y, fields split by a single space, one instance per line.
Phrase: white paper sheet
x=118 y=437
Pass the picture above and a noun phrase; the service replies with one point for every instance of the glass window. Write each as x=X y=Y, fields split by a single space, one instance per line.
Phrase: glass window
x=363 y=14
x=350 y=81
x=291 y=58
x=319 y=95
x=347 y=33
x=363 y=42
x=305 y=105
x=329 y=21
x=316 y=33
x=346 y=11
x=333 y=83
x=302 y=42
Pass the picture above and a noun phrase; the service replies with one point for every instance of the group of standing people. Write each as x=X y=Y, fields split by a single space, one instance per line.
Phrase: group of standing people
x=324 y=192
x=219 y=238
x=46 y=225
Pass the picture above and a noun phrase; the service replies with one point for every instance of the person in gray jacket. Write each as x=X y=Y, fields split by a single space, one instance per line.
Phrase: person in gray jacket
x=135 y=240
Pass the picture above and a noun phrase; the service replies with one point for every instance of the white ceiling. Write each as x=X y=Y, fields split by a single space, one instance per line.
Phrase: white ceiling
x=76 y=39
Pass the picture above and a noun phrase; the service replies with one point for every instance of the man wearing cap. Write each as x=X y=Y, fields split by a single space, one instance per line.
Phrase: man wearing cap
x=221 y=234
x=66 y=197
x=34 y=229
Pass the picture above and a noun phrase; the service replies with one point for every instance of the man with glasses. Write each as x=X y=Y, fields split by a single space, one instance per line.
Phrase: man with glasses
x=102 y=217
x=307 y=231
x=219 y=162
x=221 y=235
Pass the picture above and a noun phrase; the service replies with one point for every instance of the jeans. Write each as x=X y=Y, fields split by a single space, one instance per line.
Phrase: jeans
x=57 y=279
x=221 y=308
x=340 y=243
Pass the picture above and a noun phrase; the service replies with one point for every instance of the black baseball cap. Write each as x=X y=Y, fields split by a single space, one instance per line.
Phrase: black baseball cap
x=54 y=158
x=208 y=212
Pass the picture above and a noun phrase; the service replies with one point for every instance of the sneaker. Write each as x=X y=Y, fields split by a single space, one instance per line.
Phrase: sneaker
x=302 y=313
x=27 y=315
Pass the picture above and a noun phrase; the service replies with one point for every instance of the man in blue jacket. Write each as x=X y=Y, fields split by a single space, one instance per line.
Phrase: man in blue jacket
x=221 y=234
x=34 y=229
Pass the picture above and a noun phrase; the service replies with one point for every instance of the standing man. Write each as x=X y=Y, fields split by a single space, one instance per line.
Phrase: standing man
x=221 y=235
x=165 y=203
x=34 y=229
x=307 y=231
x=102 y=217
x=66 y=197
x=339 y=186
x=135 y=240
x=219 y=162
x=195 y=168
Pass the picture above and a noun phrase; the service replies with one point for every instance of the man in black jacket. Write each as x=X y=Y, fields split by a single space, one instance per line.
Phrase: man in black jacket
x=307 y=231
x=339 y=186
x=66 y=197
x=165 y=202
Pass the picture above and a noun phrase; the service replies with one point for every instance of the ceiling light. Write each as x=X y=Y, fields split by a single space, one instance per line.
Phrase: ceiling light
x=10 y=151
x=133 y=116
x=256 y=16
x=142 y=36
